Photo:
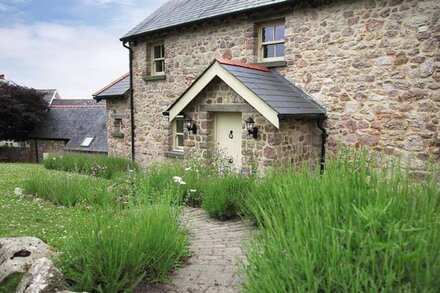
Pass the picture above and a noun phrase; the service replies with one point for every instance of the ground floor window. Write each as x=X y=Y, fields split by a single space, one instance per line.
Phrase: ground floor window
x=178 y=133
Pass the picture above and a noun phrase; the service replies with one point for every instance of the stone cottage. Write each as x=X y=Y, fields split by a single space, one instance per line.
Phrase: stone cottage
x=264 y=80
x=70 y=125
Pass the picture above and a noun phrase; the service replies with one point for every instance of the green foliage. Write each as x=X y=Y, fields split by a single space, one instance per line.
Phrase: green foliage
x=70 y=189
x=114 y=254
x=22 y=108
x=178 y=182
x=223 y=196
x=94 y=165
x=362 y=226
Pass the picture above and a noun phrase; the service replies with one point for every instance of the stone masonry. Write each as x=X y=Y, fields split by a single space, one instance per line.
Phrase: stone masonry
x=118 y=130
x=294 y=141
x=373 y=64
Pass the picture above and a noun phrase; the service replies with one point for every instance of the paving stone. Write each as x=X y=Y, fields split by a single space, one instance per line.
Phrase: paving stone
x=217 y=249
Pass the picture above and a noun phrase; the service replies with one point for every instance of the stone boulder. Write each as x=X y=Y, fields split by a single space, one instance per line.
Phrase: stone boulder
x=42 y=277
x=18 y=254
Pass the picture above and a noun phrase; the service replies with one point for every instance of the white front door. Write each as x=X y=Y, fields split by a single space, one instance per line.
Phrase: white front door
x=228 y=136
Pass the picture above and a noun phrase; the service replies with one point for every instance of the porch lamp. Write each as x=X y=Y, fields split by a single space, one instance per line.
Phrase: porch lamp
x=190 y=125
x=250 y=127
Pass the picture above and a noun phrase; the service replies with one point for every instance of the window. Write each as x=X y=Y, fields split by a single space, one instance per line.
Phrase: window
x=271 y=41
x=87 y=141
x=158 y=59
x=178 y=133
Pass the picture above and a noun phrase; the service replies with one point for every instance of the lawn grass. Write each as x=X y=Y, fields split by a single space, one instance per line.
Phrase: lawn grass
x=362 y=226
x=19 y=217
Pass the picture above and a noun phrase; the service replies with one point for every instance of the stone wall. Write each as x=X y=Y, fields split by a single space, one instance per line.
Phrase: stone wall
x=295 y=140
x=118 y=127
x=48 y=146
x=373 y=64
x=17 y=154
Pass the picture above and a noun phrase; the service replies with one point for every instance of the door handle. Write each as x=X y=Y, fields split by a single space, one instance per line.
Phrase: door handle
x=231 y=134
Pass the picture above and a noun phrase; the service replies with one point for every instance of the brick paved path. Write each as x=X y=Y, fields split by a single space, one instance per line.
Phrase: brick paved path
x=217 y=249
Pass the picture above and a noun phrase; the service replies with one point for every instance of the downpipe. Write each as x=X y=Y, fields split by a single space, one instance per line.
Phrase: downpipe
x=324 y=136
x=130 y=53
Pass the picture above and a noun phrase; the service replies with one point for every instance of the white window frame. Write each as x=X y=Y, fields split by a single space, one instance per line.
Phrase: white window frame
x=154 y=60
x=87 y=141
x=262 y=44
x=176 y=147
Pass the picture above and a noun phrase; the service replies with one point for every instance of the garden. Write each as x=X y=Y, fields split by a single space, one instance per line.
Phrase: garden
x=363 y=225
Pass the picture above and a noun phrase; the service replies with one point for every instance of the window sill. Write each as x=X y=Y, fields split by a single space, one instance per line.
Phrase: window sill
x=270 y=64
x=174 y=154
x=118 y=134
x=154 y=77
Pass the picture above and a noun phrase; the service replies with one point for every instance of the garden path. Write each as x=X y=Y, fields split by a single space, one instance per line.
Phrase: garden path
x=217 y=249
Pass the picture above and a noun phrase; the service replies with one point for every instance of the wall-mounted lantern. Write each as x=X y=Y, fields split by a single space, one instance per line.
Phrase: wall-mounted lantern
x=190 y=125
x=250 y=127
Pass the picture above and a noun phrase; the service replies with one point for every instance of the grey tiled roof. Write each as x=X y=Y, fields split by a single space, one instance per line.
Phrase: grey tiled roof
x=178 y=12
x=73 y=121
x=279 y=93
x=117 y=88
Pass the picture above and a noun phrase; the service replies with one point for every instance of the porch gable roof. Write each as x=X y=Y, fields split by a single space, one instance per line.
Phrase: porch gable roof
x=268 y=92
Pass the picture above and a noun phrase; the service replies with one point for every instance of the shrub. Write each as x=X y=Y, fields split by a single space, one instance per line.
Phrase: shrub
x=70 y=189
x=180 y=183
x=115 y=253
x=359 y=227
x=95 y=165
x=223 y=195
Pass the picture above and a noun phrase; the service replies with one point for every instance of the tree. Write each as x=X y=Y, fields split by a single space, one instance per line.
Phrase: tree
x=21 y=109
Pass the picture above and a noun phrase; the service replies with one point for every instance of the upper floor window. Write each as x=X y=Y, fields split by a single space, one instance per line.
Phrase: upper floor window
x=271 y=41
x=158 y=59
x=178 y=133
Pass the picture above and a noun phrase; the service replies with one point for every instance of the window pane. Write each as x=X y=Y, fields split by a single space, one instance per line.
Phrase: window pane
x=279 y=32
x=268 y=34
x=180 y=140
x=269 y=51
x=158 y=52
x=159 y=65
x=163 y=51
x=280 y=50
x=179 y=125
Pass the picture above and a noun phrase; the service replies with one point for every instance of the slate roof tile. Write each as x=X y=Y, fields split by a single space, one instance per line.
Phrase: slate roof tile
x=178 y=12
x=73 y=121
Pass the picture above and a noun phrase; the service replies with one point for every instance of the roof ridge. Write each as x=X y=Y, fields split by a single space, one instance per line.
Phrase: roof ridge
x=225 y=61
x=111 y=84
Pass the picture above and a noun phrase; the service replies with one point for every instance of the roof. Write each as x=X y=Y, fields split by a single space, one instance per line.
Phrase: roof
x=73 y=121
x=177 y=12
x=279 y=93
x=49 y=94
x=267 y=91
x=117 y=88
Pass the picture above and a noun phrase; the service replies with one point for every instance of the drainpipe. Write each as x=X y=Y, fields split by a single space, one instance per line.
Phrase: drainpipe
x=130 y=52
x=324 y=139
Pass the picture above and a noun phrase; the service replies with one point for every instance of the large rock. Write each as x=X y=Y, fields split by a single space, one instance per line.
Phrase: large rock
x=18 y=254
x=42 y=277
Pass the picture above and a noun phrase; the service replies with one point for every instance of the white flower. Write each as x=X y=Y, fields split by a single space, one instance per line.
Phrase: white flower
x=188 y=168
x=177 y=178
x=182 y=182
x=193 y=190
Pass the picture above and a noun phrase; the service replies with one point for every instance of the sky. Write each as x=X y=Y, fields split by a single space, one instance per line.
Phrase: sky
x=70 y=45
